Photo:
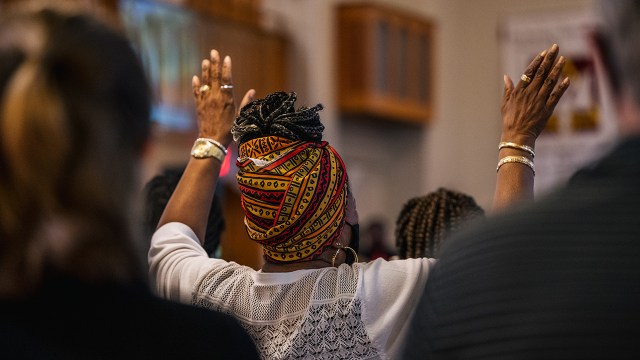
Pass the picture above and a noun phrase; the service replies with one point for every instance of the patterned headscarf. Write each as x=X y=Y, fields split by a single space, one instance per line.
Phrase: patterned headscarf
x=293 y=191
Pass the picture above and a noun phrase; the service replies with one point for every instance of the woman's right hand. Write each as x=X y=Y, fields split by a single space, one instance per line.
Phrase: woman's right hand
x=526 y=108
x=213 y=95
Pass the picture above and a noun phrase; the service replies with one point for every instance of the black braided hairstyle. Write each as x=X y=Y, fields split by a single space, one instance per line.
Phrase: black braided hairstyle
x=275 y=116
x=426 y=221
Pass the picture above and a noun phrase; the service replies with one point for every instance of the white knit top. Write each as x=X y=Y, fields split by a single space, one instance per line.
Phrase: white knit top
x=350 y=312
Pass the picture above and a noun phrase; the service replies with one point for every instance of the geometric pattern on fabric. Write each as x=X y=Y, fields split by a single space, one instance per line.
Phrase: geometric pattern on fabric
x=293 y=194
x=317 y=317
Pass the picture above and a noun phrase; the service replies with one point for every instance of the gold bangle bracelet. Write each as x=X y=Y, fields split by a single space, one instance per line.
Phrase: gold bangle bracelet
x=506 y=144
x=516 y=159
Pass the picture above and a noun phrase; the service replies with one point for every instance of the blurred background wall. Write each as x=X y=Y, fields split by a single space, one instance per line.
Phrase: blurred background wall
x=292 y=45
x=389 y=162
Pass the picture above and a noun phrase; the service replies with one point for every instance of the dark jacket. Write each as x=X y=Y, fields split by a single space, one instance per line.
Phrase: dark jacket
x=70 y=319
x=557 y=279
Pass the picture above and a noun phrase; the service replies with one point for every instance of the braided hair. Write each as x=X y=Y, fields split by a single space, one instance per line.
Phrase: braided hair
x=275 y=116
x=424 y=222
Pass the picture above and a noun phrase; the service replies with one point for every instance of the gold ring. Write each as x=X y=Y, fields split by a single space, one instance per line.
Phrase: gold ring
x=204 y=88
x=525 y=78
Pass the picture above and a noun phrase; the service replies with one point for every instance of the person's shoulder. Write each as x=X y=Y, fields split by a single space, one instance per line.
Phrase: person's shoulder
x=218 y=334
x=180 y=330
x=403 y=267
x=61 y=321
x=570 y=212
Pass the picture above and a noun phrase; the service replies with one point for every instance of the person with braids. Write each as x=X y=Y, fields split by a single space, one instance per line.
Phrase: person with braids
x=157 y=193
x=311 y=298
x=426 y=221
x=74 y=125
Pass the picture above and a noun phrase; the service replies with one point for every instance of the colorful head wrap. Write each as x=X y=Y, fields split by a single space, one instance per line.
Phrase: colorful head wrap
x=292 y=184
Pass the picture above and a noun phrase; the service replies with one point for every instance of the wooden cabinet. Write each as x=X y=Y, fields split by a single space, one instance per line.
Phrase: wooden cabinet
x=384 y=63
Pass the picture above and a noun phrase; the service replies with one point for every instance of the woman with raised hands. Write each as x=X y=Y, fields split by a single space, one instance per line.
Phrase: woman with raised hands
x=312 y=298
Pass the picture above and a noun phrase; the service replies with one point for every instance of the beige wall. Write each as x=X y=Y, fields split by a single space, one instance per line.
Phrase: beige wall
x=389 y=163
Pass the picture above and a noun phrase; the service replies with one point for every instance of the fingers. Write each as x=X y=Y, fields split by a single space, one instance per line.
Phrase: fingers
x=205 y=71
x=248 y=97
x=508 y=87
x=213 y=76
x=543 y=70
x=557 y=94
x=226 y=72
x=195 y=85
x=531 y=69
x=214 y=71
x=550 y=82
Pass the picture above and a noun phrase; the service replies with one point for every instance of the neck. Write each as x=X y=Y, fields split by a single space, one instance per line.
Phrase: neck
x=288 y=267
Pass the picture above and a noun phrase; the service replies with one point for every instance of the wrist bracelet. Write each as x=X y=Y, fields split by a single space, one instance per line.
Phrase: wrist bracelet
x=516 y=159
x=215 y=143
x=204 y=148
x=506 y=144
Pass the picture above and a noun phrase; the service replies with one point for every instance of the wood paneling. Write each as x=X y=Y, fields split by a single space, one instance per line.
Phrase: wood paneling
x=243 y=11
x=259 y=58
x=384 y=62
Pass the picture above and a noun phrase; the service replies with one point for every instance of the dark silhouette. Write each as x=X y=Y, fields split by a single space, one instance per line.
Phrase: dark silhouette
x=557 y=279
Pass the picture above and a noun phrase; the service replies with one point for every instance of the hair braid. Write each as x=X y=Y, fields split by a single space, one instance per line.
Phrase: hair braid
x=425 y=222
x=404 y=222
x=431 y=219
x=275 y=115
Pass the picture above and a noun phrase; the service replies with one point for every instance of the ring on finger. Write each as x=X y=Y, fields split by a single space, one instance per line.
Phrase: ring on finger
x=225 y=86
x=525 y=78
x=204 y=88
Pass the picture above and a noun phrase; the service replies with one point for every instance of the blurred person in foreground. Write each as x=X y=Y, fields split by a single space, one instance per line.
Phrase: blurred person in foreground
x=312 y=298
x=74 y=124
x=558 y=279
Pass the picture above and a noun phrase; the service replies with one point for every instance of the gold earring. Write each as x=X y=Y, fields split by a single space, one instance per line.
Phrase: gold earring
x=333 y=260
x=355 y=254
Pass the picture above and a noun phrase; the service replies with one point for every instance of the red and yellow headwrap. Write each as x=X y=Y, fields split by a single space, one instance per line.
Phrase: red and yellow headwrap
x=293 y=194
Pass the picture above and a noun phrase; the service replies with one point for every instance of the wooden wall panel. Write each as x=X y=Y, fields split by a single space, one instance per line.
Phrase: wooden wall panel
x=384 y=63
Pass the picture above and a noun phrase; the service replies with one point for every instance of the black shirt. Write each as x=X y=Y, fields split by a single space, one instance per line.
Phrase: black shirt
x=559 y=279
x=70 y=319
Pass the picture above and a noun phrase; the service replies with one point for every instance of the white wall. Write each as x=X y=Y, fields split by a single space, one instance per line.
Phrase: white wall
x=389 y=163
x=461 y=145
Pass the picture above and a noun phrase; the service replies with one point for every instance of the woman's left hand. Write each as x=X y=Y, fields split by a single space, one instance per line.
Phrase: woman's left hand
x=526 y=108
